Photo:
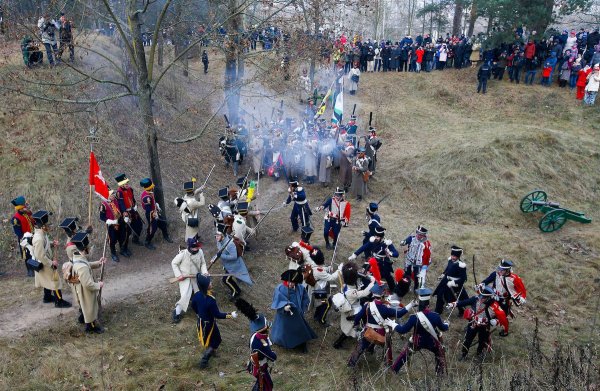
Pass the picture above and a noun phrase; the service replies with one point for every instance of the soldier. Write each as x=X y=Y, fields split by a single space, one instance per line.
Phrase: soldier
x=87 y=288
x=186 y=265
x=291 y=301
x=229 y=150
x=373 y=315
x=451 y=286
x=418 y=256
x=47 y=277
x=373 y=145
x=382 y=250
x=152 y=209
x=345 y=156
x=205 y=306
x=189 y=206
x=323 y=276
x=70 y=226
x=260 y=346
x=22 y=223
x=485 y=312
x=131 y=220
x=110 y=214
x=233 y=263
x=426 y=326
x=301 y=209
x=348 y=301
x=373 y=221
x=508 y=286
x=338 y=213
x=239 y=229
x=360 y=174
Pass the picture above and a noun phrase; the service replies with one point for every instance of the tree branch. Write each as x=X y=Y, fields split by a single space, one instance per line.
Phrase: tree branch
x=68 y=101
x=194 y=137
x=161 y=17
x=121 y=32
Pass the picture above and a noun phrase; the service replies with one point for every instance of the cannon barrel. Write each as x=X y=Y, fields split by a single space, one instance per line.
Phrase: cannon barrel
x=546 y=203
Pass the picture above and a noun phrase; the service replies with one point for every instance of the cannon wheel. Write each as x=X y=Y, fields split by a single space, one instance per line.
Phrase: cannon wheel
x=553 y=220
x=527 y=201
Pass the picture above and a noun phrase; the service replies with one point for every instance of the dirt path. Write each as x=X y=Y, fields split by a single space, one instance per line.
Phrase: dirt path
x=16 y=321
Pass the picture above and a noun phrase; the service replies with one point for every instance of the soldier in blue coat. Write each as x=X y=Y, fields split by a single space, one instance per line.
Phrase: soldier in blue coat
x=451 y=284
x=383 y=251
x=205 y=306
x=374 y=315
x=301 y=210
x=425 y=326
x=260 y=346
x=291 y=300
x=373 y=221
x=233 y=264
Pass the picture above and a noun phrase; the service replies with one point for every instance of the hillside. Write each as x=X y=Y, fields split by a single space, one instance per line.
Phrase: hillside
x=453 y=160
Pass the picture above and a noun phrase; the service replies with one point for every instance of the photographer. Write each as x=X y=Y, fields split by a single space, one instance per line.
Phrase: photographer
x=66 y=38
x=48 y=29
x=31 y=52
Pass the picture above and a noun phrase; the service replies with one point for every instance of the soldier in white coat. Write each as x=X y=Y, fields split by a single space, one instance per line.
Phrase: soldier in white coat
x=239 y=229
x=189 y=205
x=86 y=288
x=186 y=265
x=47 y=277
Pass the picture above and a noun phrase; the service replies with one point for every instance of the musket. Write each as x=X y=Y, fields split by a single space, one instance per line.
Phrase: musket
x=381 y=200
x=474 y=275
x=102 y=269
x=216 y=257
x=456 y=297
x=370 y=118
x=175 y=279
x=263 y=218
x=354 y=109
x=208 y=176
x=227 y=120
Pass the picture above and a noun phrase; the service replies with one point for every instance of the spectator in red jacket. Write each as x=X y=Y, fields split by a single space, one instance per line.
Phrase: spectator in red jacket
x=419 y=53
x=582 y=81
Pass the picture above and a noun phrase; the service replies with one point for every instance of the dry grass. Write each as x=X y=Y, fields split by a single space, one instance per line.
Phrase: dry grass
x=453 y=160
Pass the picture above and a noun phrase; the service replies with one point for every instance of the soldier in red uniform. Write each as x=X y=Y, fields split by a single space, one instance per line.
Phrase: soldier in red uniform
x=22 y=223
x=131 y=222
x=508 y=286
x=339 y=211
x=110 y=214
x=152 y=209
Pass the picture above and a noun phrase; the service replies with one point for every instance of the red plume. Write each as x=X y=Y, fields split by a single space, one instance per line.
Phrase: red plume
x=398 y=274
x=374 y=269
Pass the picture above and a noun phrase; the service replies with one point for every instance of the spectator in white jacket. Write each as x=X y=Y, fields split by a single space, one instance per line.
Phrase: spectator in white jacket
x=591 y=89
x=49 y=30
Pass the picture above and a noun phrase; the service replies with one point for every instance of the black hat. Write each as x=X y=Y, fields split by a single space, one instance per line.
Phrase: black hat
x=223 y=193
x=221 y=229
x=147 y=184
x=242 y=208
x=456 y=251
x=81 y=240
x=353 y=117
x=424 y=294
x=40 y=218
x=241 y=181
x=258 y=322
x=188 y=187
x=19 y=201
x=293 y=181
x=421 y=230
x=69 y=225
x=294 y=276
x=372 y=208
x=306 y=232
x=379 y=231
x=317 y=256
x=339 y=191
x=121 y=179
x=505 y=264
x=214 y=210
x=487 y=291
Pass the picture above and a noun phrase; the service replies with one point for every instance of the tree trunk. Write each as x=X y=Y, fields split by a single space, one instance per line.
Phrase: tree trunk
x=145 y=102
x=472 y=18
x=458 y=14
x=161 y=45
x=234 y=60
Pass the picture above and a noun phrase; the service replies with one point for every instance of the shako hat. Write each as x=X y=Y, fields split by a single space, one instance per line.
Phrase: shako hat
x=147 y=184
x=424 y=294
x=224 y=193
x=373 y=207
x=505 y=264
x=69 y=225
x=258 y=322
x=19 y=202
x=242 y=208
x=81 y=240
x=294 y=276
x=40 y=218
x=456 y=251
x=121 y=179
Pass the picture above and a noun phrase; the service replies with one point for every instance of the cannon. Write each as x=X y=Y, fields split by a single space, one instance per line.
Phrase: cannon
x=554 y=215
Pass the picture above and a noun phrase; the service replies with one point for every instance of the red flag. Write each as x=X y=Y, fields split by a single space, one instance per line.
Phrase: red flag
x=96 y=179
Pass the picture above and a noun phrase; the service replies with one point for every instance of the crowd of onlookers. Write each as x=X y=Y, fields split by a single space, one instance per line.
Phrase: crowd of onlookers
x=570 y=58
x=56 y=37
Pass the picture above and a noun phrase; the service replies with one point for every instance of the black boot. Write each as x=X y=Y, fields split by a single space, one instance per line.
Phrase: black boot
x=93 y=328
x=59 y=301
x=175 y=318
x=80 y=318
x=48 y=297
x=340 y=341
x=167 y=239
x=114 y=257
x=149 y=246
x=136 y=240
x=206 y=357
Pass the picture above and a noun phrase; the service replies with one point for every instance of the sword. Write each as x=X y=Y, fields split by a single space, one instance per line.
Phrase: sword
x=383 y=199
x=456 y=297
x=208 y=176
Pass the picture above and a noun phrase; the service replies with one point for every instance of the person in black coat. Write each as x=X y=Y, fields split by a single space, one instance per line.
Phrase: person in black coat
x=483 y=75
x=205 y=61
x=452 y=281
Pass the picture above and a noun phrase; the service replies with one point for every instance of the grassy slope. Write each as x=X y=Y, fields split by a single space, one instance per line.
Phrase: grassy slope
x=453 y=160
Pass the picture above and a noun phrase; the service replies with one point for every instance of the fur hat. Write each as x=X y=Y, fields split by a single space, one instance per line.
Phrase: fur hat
x=456 y=251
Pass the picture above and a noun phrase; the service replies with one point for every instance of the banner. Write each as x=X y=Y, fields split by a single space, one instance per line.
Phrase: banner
x=96 y=179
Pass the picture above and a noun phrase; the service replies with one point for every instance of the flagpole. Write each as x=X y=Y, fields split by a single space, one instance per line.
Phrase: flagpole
x=90 y=195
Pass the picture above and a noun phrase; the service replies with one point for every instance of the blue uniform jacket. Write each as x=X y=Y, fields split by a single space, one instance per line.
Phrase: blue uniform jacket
x=384 y=311
x=205 y=307
x=377 y=249
x=425 y=339
x=260 y=343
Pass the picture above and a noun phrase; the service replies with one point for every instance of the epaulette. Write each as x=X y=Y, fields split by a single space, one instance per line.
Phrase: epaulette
x=462 y=264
